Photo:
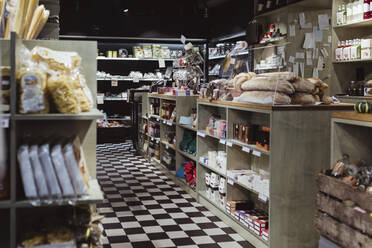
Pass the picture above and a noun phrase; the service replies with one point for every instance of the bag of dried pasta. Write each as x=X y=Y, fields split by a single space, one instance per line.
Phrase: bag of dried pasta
x=82 y=92
x=33 y=98
x=61 y=89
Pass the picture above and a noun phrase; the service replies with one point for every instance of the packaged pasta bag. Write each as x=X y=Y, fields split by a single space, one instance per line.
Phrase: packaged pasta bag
x=61 y=89
x=82 y=92
x=56 y=60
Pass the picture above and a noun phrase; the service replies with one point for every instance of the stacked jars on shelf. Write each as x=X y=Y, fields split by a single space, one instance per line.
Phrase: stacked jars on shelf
x=353 y=12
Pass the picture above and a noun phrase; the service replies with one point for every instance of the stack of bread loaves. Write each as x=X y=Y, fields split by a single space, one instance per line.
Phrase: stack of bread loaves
x=25 y=17
x=280 y=88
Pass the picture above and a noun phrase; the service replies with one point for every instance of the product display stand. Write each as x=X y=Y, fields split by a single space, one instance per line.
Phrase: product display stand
x=184 y=106
x=291 y=204
x=48 y=125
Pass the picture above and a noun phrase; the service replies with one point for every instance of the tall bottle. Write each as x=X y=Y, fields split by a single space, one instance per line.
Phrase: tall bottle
x=360 y=10
x=349 y=12
x=344 y=19
x=366 y=9
x=339 y=16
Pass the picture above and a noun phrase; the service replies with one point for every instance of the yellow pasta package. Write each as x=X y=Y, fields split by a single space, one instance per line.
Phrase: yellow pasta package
x=56 y=60
x=32 y=91
x=83 y=93
x=63 y=94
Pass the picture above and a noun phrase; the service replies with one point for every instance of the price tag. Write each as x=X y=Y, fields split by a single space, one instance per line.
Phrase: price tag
x=232 y=61
x=166 y=147
x=152 y=139
x=157 y=119
x=246 y=149
x=161 y=63
x=4 y=122
x=164 y=121
x=222 y=141
x=183 y=39
x=201 y=134
x=262 y=197
x=169 y=123
x=136 y=80
x=229 y=143
x=100 y=99
x=230 y=181
x=256 y=153
x=114 y=82
x=157 y=141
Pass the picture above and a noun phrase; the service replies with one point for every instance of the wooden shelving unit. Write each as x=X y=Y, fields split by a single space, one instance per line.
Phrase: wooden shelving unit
x=291 y=164
x=184 y=106
x=35 y=126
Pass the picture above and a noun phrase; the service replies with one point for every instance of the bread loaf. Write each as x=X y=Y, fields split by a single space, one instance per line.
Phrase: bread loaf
x=241 y=78
x=303 y=98
x=290 y=76
x=264 y=97
x=43 y=20
x=35 y=21
x=268 y=84
x=303 y=85
x=32 y=5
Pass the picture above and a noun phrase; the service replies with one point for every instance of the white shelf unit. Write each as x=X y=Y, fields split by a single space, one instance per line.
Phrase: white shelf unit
x=291 y=162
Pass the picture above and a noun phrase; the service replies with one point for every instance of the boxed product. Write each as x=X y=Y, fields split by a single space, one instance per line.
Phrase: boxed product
x=215 y=181
x=222 y=186
x=366 y=53
x=222 y=200
x=366 y=43
x=207 y=179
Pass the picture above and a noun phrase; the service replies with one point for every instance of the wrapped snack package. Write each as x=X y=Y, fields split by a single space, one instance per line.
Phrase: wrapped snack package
x=51 y=178
x=73 y=170
x=63 y=93
x=61 y=171
x=38 y=172
x=32 y=91
x=56 y=60
x=26 y=172
x=80 y=158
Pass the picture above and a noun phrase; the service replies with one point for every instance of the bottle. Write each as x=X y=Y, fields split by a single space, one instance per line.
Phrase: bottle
x=360 y=10
x=344 y=20
x=349 y=12
x=366 y=9
x=338 y=52
x=359 y=48
x=339 y=16
x=260 y=6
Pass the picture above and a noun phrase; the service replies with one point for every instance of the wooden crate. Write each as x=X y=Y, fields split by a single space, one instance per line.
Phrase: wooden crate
x=339 y=223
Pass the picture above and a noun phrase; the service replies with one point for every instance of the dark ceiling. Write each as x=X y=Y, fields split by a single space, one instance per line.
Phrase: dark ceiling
x=155 y=18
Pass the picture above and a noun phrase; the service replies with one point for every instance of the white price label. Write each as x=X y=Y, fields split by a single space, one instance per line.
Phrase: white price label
x=228 y=143
x=166 y=147
x=157 y=141
x=230 y=181
x=256 y=153
x=114 y=82
x=222 y=141
x=262 y=197
x=246 y=149
x=169 y=123
x=4 y=122
x=183 y=39
x=164 y=121
x=232 y=61
x=201 y=134
x=161 y=63
x=152 y=139
x=100 y=99
x=136 y=80
x=157 y=119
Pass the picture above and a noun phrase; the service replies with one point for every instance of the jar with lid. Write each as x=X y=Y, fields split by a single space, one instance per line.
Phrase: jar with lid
x=360 y=88
x=353 y=88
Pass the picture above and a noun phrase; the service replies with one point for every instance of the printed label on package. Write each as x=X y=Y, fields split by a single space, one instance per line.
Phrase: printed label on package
x=222 y=141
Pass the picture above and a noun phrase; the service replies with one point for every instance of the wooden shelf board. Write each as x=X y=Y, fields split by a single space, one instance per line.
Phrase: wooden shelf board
x=131 y=59
x=212 y=169
x=234 y=55
x=91 y=115
x=188 y=127
x=267 y=108
x=352 y=115
x=209 y=135
x=154 y=116
x=352 y=61
x=95 y=195
x=204 y=195
x=172 y=146
x=187 y=155
x=364 y=23
x=254 y=147
x=163 y=96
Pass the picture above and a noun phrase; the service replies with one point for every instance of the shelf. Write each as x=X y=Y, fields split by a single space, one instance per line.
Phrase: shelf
x=269 y=68
x=5 y=204
x=119 y=119
x=115 y=99
x=172 y=146
x=298 y=6
x=131 y=59
x=214 y=74
x=204 y=195
x=166 y=168
x=364 y=23
x=233 y=55
x=163 y=96
x=95 y=195
x=252 y=147
x=187 y=155
x=212 y=169
x=145 y=117
x=156 y=160
x=157 y=117
x=202 y=133
x=132 y=79
x=188 y=127
x=91 y=115
x=352 y=61
x=166 y=122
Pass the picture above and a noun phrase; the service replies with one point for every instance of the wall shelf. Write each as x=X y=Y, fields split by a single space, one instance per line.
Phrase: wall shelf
x=212 y=169
x=252 y=147
x=187 y=155
x=191 y=128
x=171 y=146
x=91 y=115
x=133 y=59
x=352 y=61
x=362 y=24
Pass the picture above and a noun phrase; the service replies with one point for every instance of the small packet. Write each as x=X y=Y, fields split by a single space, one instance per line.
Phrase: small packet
x=50 y=175
x=61 y=171
x=27 y=174
x=38 y=172
x=73 y=170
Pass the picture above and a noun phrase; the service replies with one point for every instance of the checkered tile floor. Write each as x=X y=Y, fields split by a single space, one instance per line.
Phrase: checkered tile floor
x=143 y=208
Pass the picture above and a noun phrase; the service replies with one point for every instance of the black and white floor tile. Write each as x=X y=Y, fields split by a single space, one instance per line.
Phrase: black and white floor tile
x=144 y=208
